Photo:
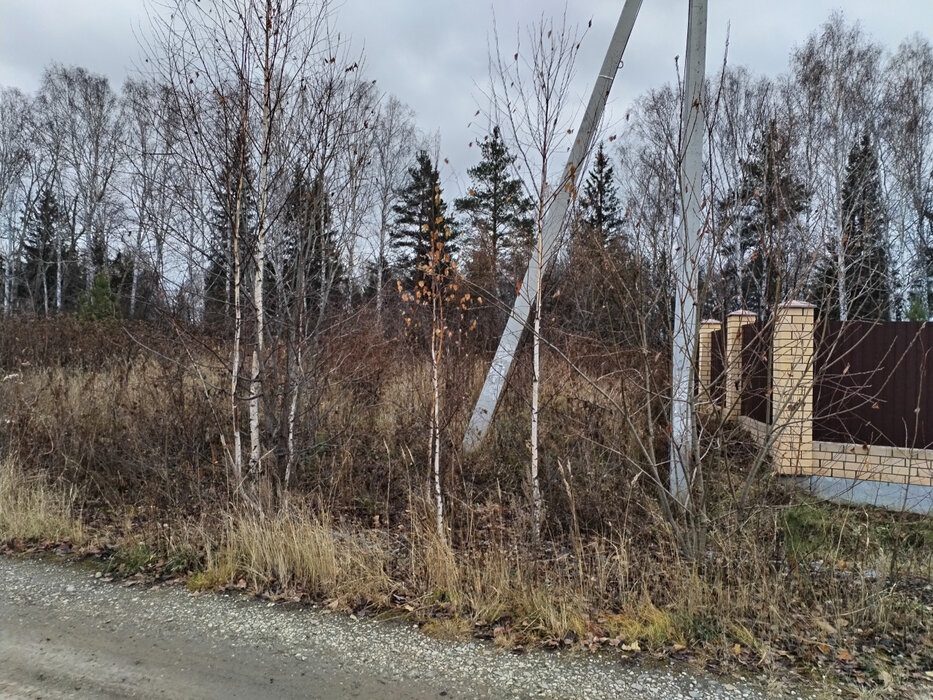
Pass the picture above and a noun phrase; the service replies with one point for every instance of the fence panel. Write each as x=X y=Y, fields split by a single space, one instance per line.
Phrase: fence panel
x=756 y=375
x=873 y=383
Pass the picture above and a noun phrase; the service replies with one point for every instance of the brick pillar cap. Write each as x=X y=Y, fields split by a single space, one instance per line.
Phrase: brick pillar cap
x=796 y=304
x=710 y=322
x=742 y=312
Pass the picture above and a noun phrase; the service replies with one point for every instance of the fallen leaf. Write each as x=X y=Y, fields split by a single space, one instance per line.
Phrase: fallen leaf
x=737 y=649
x=843 y=655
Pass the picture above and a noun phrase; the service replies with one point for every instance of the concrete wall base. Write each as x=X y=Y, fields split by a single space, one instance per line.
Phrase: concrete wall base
x=899 y=497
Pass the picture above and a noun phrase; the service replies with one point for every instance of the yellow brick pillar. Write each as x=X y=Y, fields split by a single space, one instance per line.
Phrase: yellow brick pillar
x=734 y=324
x=704 y=362
x=792 y=389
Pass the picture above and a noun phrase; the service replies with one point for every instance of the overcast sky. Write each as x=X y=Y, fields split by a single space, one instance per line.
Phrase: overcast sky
x=432 y=54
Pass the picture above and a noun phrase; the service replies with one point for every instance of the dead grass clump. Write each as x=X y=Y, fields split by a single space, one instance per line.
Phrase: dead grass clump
x=33 y=509
x=301 y=552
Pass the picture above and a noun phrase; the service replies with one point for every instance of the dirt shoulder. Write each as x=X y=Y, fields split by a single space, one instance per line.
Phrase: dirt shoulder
x=64 y=633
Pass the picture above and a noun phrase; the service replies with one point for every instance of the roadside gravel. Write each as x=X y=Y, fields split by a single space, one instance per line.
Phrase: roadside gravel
x=64 y=633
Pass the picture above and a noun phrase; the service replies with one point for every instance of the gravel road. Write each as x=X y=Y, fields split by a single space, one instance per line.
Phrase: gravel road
x=65 y=634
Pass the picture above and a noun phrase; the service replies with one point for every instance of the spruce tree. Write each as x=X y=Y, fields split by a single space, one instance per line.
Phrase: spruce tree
x=500 y=214
x=39 y=251
x=421 y=222
x=312 y=266
x=865 y=236
x=761 y=213
x=234 y=180
x=868 y=283
x=600 y=210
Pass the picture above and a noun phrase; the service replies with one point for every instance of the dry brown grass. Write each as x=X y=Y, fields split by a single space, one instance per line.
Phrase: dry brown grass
x=141 y=438
x=302 y=552
x=33 y=510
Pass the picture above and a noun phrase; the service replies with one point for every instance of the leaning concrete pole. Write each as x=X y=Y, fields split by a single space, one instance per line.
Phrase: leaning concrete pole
x=685 y=253
x=554 y=219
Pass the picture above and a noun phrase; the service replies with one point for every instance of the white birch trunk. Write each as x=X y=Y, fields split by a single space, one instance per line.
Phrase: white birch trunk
x=59 y=272
x=237 y=337
x=437 y=339
x=255 y=394
x=133 y=287
x=380 y=281
x=292 y=413
x=7 y=285
x=234 y=248
x=45 y=288
x=537 y=509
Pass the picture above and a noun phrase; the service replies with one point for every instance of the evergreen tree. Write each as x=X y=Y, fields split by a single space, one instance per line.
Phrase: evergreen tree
x=99 y=303
x=600 y=210
x=421 y=225
x=41 y=255
x=234 y=180
x=868 y=284
x=600 y=265
x=500 y=214
x=761 y=214
x=312 y=267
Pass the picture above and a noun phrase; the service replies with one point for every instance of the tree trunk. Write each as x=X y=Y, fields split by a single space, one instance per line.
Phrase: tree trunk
x=380 y=266
x=537 y=508
x=255 y=393
x=841 y=284
x=437 y=339
x=59 y=272
x=45 y=286
x=7 y=285
x=133 y=287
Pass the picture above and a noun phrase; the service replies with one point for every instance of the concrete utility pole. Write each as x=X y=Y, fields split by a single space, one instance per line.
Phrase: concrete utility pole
x=518 y=319
x=685 y=253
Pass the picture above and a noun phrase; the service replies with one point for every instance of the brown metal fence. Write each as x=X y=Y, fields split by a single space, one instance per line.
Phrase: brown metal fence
x=873 y=383
x=717 y=367
x=756 y=377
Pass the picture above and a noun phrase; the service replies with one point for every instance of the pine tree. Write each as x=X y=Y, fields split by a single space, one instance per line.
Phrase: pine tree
x=500 y=214
x=600 y=210
x=868 y=285
x=761 y=214
x=421 y=222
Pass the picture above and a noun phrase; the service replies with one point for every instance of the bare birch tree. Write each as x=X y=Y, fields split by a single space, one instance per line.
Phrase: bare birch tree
x=530 y=94
x=393 y=147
